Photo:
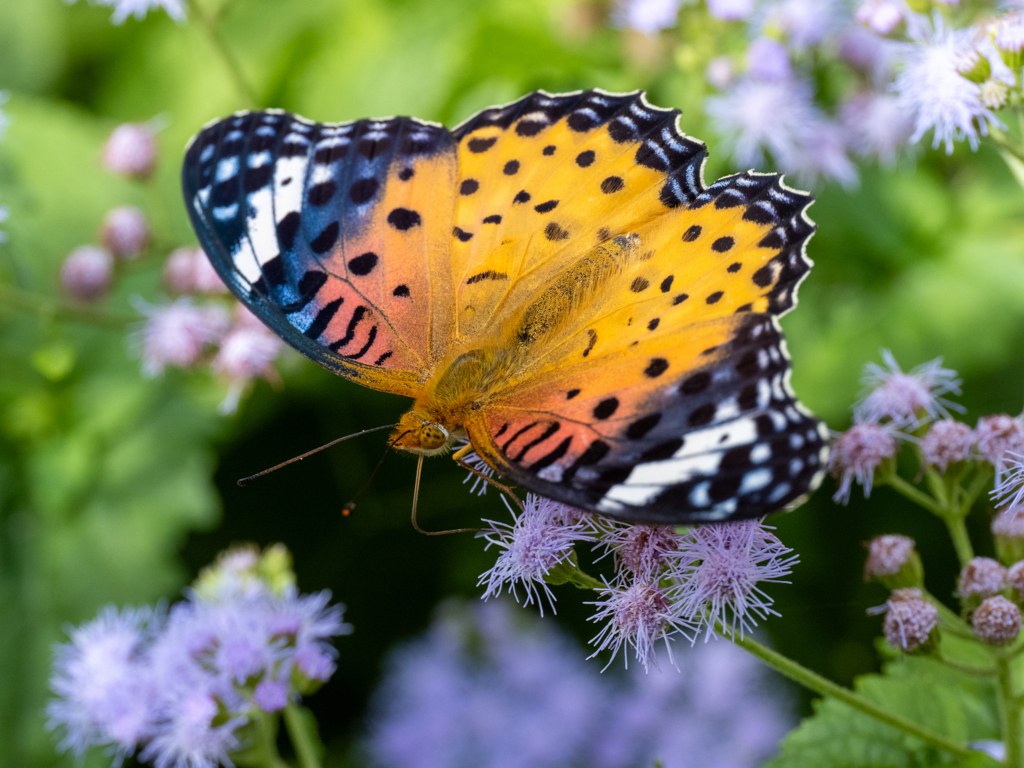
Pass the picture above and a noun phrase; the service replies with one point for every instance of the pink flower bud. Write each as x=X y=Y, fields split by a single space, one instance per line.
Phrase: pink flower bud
x=947 y=442
x=881 y=16
x=87 y=273
x=893 y=560
x=909 y=620
x=998 y=436
x=125 y=232
x=982 y=576
x=189 y=271
x=130 y=151
x=1015 y=578
x=997 y=621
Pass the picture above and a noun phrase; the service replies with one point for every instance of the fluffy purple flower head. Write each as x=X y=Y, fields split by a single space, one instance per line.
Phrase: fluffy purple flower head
x=187 y=736
x=125 y=232
x=902 y=397
x=887 y=554
x=178 y=334
x=637 y=616
x=720 y=71
x=537 y=540
x=1009 y=522
x=982 y=576
x=909 y=619
x=641 y=551
x=1010 y=488
x=130 y=151
x=87 y=273
x=103 y=688
x=999 y=438
x=271 y=696
x=857 y=453
x=729 y=560
x=805 y=23
x=823 y=155
x=947 y=442
x=935 y=93
x=246 y=352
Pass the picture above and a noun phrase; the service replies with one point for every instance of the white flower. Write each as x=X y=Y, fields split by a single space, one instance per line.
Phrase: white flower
x=939 y=98
x=876 y=125
x=755 y=117
x=139 y=8
x=882 y=16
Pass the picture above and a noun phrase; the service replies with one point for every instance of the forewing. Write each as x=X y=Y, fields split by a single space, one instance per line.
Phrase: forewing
x=335 y=235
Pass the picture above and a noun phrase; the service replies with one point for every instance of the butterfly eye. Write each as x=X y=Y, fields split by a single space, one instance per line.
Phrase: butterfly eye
x=432 y=436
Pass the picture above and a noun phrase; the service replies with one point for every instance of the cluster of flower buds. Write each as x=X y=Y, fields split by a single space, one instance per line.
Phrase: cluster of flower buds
x=188 y=687
x=900 y=408
x=667 y=583
x=199 y=328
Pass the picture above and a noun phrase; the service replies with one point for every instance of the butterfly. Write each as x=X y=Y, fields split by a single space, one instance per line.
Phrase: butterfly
x=552 y=280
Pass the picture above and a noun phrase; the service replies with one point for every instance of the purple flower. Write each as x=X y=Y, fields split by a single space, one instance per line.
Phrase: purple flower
x=1010 y=488
x=857 y=453
x=637 y=616
x=935 y=93
x=947 y=442
x=103 y=688
x=881 y=16
x=537 y=541
x=999 y=438
x=641 y=551
x=868 y=54
x=271 y=695
x=730 y=10
x=901 y=396
x=767 y=59
x=823 y=155
x=805 y=23
x=647 y=16
x=754 y=117
x=720 y=71
x=246 y=353
x=87 y=273
x=188 y=271
x=178 y=334
x=188 y=735
x=125 y=232
x=130 y=151
x=876 y=125
x=729 y=560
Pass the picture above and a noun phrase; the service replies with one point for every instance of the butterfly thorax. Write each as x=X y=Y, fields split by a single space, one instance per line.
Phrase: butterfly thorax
x=469 y=378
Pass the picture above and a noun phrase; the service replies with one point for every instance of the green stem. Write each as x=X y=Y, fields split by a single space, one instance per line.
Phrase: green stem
x=62 y=310
x=916 y=495
x=981 y=477
x=209 y=25
x=1000 y=138
x=1009 y=715
x=961 y=541
x=302 y=740
x=812 y=680
x=266 y=744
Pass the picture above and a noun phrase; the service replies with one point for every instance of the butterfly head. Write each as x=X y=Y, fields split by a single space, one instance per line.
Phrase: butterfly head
x=418 y=433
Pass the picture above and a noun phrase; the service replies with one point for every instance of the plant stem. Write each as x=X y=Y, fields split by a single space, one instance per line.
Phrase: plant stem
x=299 y=733
x=209 y=25
x=266 y=746
x=916 y=495
x=62 y=310
x=805 y=677
x=1009 y=714
x=961 y=541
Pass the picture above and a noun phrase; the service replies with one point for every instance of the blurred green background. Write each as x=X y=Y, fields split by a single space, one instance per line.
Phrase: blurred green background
x=119 y=489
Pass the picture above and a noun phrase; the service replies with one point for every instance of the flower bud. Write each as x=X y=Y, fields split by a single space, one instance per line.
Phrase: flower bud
x=947 y=442
x=997 y=620
x=1008 y=531
x=999 y=435
x=893 y=560
x=909 y=620
x=880 y=16
x=1008 y=38
x=982 y=577
x=130 y=151
x=1015 y=580
x=857 y=453
x=993 y=93
x=972 y=65
x=125 y=232
x=87 y=273
x=189 y=271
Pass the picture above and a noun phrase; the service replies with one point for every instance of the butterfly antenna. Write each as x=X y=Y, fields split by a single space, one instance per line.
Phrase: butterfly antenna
x=415 y=501
x=351 y=504
x=246 y=480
